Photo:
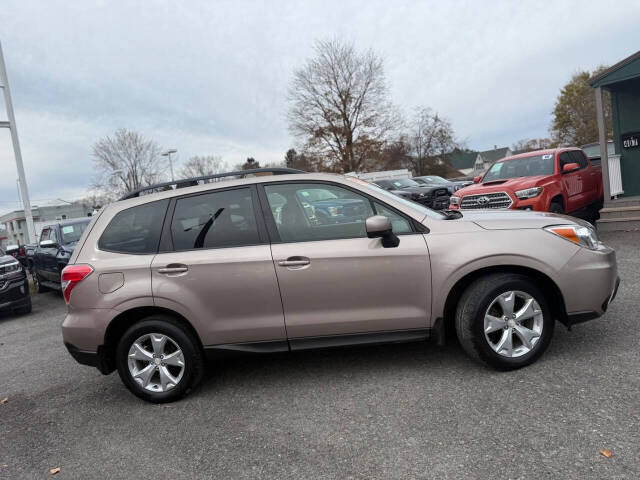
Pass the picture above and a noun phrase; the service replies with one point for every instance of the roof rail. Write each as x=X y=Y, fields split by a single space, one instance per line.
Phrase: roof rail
x=188 y=182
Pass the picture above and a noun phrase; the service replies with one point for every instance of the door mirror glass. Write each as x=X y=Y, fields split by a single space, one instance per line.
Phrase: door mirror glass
x=570 y=167
x=380 y=226
x=477 y=179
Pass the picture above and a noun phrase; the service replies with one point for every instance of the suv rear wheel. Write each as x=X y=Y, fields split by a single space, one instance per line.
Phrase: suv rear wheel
x=159 y=360
x=503 y=319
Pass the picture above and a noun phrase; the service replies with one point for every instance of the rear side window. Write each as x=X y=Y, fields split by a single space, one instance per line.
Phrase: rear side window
x=215 y=220
x=135 y=230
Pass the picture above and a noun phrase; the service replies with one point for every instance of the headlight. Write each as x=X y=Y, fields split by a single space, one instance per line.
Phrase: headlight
x=529 y=192
x=454 y=200
x=333 y=211
x=10 y=267
x=583 y=236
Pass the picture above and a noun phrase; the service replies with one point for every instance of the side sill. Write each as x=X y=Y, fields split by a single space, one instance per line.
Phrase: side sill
x=310 y=343
x=376 y=338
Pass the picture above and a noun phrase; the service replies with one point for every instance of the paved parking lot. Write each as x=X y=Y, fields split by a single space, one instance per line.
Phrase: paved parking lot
x=398 y=411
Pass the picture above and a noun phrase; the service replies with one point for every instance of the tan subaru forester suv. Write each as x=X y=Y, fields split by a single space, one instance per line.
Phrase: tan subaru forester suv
x=279 y=260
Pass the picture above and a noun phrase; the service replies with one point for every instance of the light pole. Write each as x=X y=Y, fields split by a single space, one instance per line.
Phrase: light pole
x=168 y=154
x=11 y=125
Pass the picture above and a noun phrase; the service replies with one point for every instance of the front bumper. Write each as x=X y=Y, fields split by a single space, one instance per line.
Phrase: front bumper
x=589 y=283
x=14 y=293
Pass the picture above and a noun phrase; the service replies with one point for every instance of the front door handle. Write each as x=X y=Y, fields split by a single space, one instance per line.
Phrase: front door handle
x=173 y=268
x=294 y=262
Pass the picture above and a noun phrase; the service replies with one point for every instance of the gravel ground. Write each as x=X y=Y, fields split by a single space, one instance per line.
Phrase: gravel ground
x=397 y=411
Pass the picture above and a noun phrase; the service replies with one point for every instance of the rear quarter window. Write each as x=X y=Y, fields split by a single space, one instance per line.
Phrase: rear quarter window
x=135 y=230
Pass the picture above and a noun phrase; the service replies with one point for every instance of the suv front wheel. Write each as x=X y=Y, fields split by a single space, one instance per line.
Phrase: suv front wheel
x=503 y=320
x=159 y=360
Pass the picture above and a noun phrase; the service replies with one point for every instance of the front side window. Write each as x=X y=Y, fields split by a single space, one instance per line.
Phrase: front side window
x=135 y=230
x=578 y=158
x=215 y=220
x=307 y=212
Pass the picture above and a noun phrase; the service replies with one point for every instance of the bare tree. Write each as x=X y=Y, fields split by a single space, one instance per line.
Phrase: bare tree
x=126 y=162
x=199 y=166
x=431 y=136
x=531 y=144
x=339 y=105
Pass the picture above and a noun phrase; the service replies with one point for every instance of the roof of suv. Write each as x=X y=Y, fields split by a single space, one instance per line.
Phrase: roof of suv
x=148 y=197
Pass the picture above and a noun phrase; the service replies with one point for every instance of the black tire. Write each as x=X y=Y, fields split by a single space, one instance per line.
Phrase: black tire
x=556 y=207
x=193 y=357
x=37 y=281
x=469 y=319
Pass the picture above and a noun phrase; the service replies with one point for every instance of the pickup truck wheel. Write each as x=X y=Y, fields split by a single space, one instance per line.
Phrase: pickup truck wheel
x=503 y=320
x=159 y=360
x=555 y=207
x=37 y=283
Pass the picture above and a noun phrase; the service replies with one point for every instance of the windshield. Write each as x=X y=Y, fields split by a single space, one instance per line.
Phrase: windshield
x=416 y=206
x=434 y=179
x=72 y=233
x=404 y=182
x=521 y=167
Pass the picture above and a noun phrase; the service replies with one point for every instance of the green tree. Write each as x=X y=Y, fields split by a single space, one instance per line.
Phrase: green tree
x=574 y=115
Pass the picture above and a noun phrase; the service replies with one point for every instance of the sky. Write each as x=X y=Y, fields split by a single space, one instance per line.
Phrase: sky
x=211 y=77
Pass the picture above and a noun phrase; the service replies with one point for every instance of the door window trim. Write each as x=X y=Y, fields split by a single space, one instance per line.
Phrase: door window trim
x=166 y=237
x=272 y=228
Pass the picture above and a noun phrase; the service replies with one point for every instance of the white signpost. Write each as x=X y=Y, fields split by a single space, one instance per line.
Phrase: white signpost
x=11 y=125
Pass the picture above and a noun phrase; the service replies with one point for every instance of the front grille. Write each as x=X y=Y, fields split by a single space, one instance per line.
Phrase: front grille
x=487 y=200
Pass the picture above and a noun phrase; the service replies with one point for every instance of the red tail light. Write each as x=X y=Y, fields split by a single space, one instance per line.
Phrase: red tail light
x=73 y=275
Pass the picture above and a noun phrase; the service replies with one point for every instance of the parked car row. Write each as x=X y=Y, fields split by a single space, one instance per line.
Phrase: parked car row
x=44 y=260
x=432 y=196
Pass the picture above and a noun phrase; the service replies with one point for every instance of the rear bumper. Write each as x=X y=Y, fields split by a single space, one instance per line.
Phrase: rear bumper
x=92 y=359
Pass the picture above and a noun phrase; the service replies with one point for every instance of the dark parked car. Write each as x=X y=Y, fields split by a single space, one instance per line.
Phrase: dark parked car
x=14 y=286
x=52 y=254
x=435 y=197
x=436 y=181
x=17 y=252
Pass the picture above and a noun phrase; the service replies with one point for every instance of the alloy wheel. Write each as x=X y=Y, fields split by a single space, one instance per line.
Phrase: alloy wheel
x=513 y=323
x=156 y=362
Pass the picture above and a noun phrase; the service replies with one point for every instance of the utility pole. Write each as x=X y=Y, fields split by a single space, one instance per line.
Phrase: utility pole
x=11 y=125
x=168 y=154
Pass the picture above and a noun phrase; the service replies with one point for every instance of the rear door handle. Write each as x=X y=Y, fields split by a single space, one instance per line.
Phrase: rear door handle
x=294 y=262
x=173 y=269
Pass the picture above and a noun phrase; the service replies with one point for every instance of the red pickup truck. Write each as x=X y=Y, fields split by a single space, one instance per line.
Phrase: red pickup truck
x=560 y=180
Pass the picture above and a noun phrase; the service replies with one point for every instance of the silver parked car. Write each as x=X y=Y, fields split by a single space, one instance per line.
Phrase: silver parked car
x=159 y=281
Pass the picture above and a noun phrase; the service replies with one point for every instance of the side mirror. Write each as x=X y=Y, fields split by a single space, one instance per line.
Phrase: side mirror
x=380 y=226
x=48 y=244
x=477 y=179
x=570 y=167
